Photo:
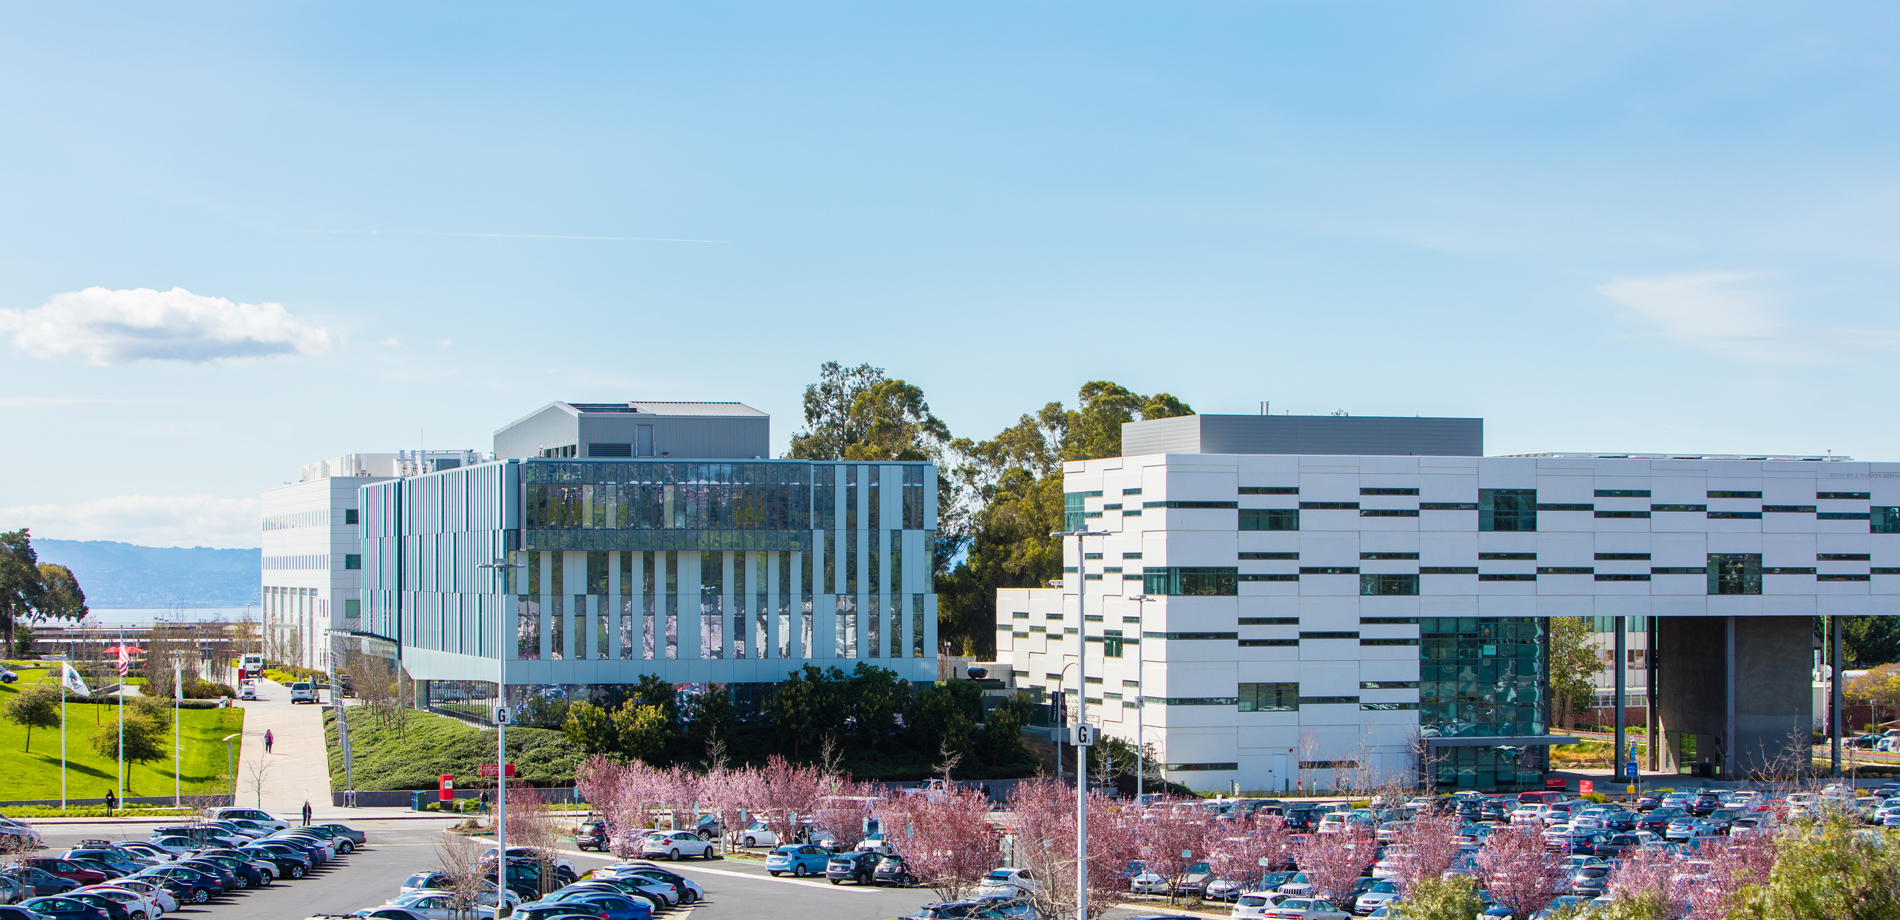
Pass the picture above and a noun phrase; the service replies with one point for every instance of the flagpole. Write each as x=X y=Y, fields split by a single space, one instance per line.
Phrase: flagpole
x=122 y=676
x=62 y=734
x=178 y=744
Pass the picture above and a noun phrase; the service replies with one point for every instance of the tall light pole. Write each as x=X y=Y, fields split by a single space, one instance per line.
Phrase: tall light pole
x=501 y=567
x=1141 y=694
x=1081 y=722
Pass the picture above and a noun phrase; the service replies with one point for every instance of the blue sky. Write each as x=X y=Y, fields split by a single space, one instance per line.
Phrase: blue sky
x=1600 y=226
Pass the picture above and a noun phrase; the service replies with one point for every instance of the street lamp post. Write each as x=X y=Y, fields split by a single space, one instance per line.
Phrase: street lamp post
x=501 y=567
x=1141 y=694
x=227 y=764
x=1081 y=723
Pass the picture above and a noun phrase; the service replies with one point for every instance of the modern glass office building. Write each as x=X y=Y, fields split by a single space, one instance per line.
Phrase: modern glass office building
x=590 y=567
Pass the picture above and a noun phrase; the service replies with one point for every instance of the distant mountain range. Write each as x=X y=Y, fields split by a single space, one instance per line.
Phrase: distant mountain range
x=123 y=575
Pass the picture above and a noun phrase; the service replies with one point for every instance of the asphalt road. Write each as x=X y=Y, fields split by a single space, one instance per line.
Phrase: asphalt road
x=735 y=889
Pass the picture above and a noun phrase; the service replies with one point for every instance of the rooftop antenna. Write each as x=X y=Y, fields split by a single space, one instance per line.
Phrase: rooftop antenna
x=1264 y=408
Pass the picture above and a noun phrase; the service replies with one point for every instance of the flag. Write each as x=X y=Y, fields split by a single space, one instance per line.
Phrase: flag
x=71 y=680
x=178 y=681
x=125 y=661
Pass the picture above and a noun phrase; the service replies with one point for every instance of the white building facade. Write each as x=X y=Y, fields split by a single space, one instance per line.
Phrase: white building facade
x=1325 y=620
x=312 y=555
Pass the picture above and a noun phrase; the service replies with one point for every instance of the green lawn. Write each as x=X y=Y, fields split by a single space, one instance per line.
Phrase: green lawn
x=34 y=773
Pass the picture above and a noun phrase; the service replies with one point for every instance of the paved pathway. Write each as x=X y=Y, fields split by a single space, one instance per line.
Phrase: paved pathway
x=297 y=769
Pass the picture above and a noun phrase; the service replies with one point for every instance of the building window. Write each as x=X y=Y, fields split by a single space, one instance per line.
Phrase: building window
x=349 y=516
x=1331 y=634
x=1190 y=506
x=1843 y=557
x=1073 y=508
x=1734 y=573
x=1191 y=700
x=1388 y=555
x=1270 y=519
x=1202 y=767
x=1192 y=636
x=1788 y=509
x=1448 y=570
x=1331 y=506
x=1734 y=494
x=1383 y=585
x=1684 y=509
x=1329 y=701
x=1269 y=490
x=1388 y=685
x=1381 y=707
x=352 y=609
x=1388 y=621
x=1269 y=621
x=1329 y=570
x=1383 y=491
x=1507 y=509
x=1622 y=493
x=1190 y=581
x=1387 y=642
x=352 y=561
x=1622 y=557
x=1507 y=557
x=1270 y=697
x=1448 y=506
x=1269 y=643
x=1388 y=512
x=1565 y=570
x=1885 y=520
x=1112 y=642
x=1262 y=577
x=1246 y=557
x=1844 y=496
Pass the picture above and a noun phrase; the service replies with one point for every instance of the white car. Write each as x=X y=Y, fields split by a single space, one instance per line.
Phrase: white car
x=435 y=905
x=757 y=834
x=1375 y=897
x=143 y=906
x=303 y=692
x=693 y=892
x=676 y=845
x=1005 y=882
x=25 y=834
x=155 y=893
x=1253 y=905
x=1305 y=909
x=1530 y=813
x=176 y=846
x=261 y=818
x=1145 y=882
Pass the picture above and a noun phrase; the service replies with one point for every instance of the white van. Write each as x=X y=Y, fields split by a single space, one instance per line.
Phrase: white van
x=247 y=690
x=303 y=692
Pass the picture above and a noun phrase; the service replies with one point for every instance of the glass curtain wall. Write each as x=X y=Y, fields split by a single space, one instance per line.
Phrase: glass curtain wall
x=1484 y=677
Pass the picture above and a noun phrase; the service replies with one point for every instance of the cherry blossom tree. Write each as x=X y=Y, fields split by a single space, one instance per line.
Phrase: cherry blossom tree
x=679 y=790
x=1427 y=847
x=1168 y=834
x=1737 y=862
x=1519 y=871
x=1646 y=884
x=843 y=807
x=1044 y=839
x=1333 y=862
x=945 y=838
x=1251 y=839
x=728 y=794
x=788 y=793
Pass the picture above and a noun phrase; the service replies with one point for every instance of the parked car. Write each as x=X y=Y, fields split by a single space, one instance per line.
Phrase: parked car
x=66 y=869
x=857 y=866
x=606 y=905
x=757 y=834
x=60 y=907
x=893 y=870
x=1305 y=909
x=234 y=813
x=154 y=892
x=1375 y=897
x=1006 y=882
x=800 y=861
x=592 y=835
x=303 y=692
x=689 y=890
x=436 y=905
x=676 y=845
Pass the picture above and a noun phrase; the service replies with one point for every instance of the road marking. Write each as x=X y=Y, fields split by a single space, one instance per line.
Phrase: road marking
x=821 y=883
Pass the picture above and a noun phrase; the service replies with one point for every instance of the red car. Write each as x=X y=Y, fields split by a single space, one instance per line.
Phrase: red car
x=66 y=870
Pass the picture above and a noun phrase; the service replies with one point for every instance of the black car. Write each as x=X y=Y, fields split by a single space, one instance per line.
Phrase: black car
x=1621 y=821
x=1705 y=804
x=227 y=879
x=1590 y=881
x=201 y=886
x=859 y=866
x=555 y=911
x=1617 y=846
x=65 y=908
x=309 y=849
x=113 y=909
x=892 y=870
x=117 y=862
x=592 y=835
x=687 y=895
x=248 y=876
x=1300 y=820
x=289 y=863
x=1657 y=820
x=41 y=882
x=10 y=912
x=1494 y=810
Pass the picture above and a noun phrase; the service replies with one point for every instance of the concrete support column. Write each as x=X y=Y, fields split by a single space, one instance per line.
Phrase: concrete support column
x=1621 y=667
x=1729 y=754
x=1652 y=725
x=1834 y=695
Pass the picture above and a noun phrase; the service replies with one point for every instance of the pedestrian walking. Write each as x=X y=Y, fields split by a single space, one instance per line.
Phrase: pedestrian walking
x=484 y=802
x=268 y=738
x=112 y=802
x=306 y=812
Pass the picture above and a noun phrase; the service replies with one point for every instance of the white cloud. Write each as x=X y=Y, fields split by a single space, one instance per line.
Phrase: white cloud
x=118 y=327
x=148 y=520
x=446 y=342
x=1719 y=312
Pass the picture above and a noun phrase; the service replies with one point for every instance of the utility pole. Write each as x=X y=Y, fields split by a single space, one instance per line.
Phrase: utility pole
x=1082 y=733
x=501 y=567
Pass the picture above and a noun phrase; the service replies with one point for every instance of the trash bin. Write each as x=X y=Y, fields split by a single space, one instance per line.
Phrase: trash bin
x=416 y=799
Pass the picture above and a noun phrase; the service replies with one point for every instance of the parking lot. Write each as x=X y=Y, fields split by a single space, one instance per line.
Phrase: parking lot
x=736 y=888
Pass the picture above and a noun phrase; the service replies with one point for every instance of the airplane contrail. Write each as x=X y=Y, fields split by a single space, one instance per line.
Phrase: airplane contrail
x=525 y=236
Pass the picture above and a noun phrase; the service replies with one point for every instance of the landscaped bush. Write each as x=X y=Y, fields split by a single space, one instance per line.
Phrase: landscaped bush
x=413 y=751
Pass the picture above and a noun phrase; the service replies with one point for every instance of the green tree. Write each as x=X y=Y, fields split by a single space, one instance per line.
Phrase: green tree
x=650 y=690
x=876 y=696
x=1453 y=897
x=708 y=716
x=145 y=740
x=1831 y=871
x=1014 y=484
x=21 y=587
x=1000 y=741
x=1869 y=641
x=37 y=707
x=808 y=708
x=60 y=594
x=943 y=717
x=1573 y=666
x=644 y=729
x=591 y=728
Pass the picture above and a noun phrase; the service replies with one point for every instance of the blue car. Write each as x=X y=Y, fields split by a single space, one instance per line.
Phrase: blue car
x=800 y=861
x=604 y=905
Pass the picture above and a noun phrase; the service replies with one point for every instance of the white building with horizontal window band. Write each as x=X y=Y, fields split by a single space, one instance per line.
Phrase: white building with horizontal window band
x=312 y=556
x=1317 y=616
